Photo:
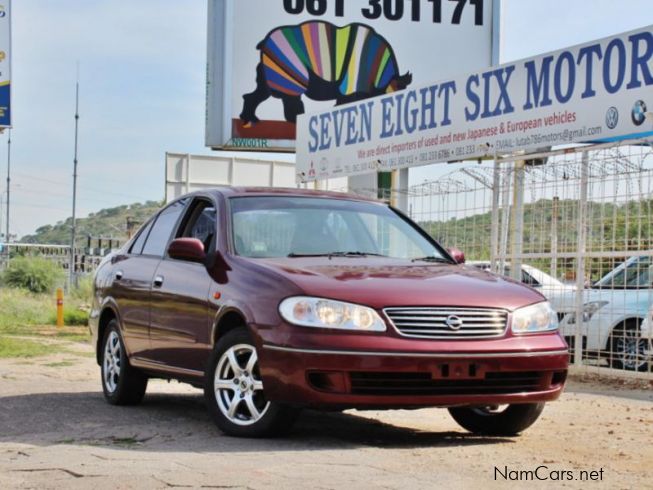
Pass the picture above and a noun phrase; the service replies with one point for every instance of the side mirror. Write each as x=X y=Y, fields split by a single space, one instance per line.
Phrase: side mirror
x=190 y=249
x=457 y=255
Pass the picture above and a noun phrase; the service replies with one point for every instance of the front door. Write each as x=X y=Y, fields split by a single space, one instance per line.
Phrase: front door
x=179 y=321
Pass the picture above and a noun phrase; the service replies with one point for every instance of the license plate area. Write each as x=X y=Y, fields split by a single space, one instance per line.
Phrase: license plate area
x=459 y=370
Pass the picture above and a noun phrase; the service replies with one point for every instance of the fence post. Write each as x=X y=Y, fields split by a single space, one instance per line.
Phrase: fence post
x=505 y=221
x=554 y=236
x=517 y=240
x=494 y=225
x=580 y=258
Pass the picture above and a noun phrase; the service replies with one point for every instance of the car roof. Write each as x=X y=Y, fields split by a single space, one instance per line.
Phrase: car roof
x=230 y=191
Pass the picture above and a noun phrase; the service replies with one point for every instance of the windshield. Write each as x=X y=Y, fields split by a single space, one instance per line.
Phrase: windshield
x=281 y=226
x=635 y=273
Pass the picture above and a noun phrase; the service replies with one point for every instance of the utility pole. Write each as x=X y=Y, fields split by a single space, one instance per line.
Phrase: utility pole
x=8 y=187
x=71 y=268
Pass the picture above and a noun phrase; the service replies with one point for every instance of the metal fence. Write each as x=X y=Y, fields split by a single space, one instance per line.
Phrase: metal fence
x=86 y=259
x=576 y=225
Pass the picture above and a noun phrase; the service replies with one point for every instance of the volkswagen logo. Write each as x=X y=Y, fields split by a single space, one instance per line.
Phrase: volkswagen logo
x=612 y=117
x=453 y=322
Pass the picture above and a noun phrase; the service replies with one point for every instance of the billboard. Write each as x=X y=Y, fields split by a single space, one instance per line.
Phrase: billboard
x=5 y=63
x=270 y=61
x=594 y=92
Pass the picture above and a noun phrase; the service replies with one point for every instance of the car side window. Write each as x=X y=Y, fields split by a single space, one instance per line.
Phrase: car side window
x=162 y=229
x=137 y=246
x=526 y=278
x=201 y=223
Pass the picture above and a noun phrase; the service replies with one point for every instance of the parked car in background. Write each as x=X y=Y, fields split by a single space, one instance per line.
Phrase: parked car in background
x=615 y=322
x=272 y=300
x=548 y=285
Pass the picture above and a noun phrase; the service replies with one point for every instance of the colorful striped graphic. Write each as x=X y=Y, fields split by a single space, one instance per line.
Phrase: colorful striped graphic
x=354 y=56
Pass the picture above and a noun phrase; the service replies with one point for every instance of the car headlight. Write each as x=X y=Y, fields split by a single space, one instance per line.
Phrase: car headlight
x=535 y=318
x=326 y=313
x=588 y=312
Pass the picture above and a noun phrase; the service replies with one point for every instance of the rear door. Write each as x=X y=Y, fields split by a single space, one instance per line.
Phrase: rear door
x=180 y=325
x=134 y=276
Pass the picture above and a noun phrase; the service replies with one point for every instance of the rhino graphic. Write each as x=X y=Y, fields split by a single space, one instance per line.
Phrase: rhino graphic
x=323 y=62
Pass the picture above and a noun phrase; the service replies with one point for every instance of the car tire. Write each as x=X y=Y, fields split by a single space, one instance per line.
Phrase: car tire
x=234 y=394
x=122 y=384
x=509 y=421
x=627 y=348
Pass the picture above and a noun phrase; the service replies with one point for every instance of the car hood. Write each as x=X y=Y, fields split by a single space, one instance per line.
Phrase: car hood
x=382 y=282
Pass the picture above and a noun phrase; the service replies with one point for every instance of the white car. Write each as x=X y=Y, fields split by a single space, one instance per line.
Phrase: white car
x=557 y=292
x=616 y=322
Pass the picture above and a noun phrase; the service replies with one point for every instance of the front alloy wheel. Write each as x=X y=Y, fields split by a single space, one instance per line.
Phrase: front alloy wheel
x=234 y=391
x=238 y=386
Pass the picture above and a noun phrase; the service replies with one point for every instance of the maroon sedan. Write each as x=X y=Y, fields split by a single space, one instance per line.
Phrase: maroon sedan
x=272 y=300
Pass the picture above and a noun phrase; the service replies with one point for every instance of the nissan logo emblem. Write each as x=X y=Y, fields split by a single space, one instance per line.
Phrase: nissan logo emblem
x=453 y=322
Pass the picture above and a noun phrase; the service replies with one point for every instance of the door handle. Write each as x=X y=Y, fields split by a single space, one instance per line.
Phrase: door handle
x=118 y=275
x=158 y=281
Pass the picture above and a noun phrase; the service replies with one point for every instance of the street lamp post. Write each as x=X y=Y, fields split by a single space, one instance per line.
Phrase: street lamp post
x=8 y=191
x=71 y=268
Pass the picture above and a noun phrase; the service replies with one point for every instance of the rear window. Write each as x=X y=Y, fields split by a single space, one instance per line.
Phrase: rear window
x=161 y=231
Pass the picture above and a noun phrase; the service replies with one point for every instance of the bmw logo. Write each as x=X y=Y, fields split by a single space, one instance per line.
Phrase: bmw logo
x=612 y=117
x=638 y=113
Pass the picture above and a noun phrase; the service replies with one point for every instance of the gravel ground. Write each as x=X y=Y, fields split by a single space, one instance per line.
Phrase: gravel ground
x=56 y=431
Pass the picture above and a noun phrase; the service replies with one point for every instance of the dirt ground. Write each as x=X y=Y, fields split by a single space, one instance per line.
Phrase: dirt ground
x=56 y=431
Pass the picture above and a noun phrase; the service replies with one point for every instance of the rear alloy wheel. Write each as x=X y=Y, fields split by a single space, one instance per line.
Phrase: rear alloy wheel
x=497 y=420
x=121 y=383
x=234 y=391
x=629 y=350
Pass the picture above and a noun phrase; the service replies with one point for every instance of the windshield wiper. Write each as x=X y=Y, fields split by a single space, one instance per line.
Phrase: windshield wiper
x=335 y=254
x=439 y=260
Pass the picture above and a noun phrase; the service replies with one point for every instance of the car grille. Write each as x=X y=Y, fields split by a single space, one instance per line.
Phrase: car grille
x=431 y=322
x=397 y=384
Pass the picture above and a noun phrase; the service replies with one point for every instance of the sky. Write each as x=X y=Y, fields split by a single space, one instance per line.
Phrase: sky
x=142 y=92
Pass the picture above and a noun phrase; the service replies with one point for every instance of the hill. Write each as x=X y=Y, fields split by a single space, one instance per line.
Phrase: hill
x=106 y=223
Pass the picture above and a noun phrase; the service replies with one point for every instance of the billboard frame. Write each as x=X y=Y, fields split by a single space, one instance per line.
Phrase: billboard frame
x=220 y=46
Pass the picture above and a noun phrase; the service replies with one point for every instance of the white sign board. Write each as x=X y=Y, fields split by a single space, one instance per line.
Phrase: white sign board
x=599 y=91
x=5 y=63
x=271 y=60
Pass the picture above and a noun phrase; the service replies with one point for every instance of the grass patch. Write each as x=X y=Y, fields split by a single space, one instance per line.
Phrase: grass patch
x=10 y=347
x=21 y=309
x=71 y=317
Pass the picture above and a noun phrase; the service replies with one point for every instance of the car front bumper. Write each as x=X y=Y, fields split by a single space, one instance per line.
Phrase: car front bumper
x=366 y=371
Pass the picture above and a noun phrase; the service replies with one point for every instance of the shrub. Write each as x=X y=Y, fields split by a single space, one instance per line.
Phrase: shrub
x=71 y=317
x=35 y=274
x=75 y=317
x=83 y=292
